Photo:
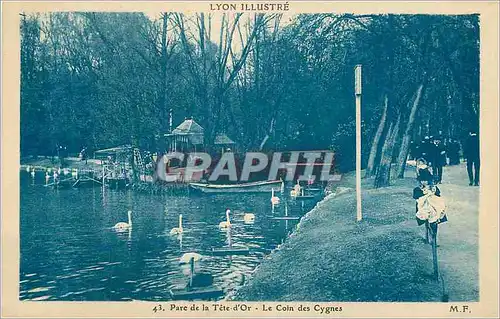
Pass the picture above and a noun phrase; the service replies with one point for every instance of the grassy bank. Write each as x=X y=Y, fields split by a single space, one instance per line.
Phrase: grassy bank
x=383 y=257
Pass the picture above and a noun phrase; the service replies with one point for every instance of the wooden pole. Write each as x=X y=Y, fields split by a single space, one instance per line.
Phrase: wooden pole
x=191 y=264
x=435 y=258
x=434 y=253
x=427 y=237
x=357 y=84
x=286 y=214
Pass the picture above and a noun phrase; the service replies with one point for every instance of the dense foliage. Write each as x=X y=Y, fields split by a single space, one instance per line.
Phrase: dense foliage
x=269 y=82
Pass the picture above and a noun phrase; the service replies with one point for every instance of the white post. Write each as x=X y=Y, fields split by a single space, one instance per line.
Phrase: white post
x=357 y=85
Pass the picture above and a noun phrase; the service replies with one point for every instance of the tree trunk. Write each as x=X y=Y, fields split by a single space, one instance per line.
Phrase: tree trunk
x=384 y=171
x=376 y=141
x=405 y=144
x=164 y=81
x=264 y=140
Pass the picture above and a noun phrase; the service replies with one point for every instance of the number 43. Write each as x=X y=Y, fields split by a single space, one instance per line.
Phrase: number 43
x=157 y=308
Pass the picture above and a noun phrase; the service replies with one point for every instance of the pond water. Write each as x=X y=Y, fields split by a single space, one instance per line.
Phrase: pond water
x=69 y=251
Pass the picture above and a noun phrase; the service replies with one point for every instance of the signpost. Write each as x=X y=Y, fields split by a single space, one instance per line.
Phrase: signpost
x=357 y=92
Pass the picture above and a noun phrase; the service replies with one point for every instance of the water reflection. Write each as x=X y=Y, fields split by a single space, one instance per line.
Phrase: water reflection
x=69 y=250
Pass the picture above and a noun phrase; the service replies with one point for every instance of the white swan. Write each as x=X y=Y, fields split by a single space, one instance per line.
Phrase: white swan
x=275 y=200
x=186 y=258
x=296 y=190
x=124 y=226
x=249 y=218
x=177 y=230
x=227 y=223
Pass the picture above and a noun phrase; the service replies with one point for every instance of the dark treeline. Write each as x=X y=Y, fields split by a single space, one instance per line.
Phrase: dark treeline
x=268 y=81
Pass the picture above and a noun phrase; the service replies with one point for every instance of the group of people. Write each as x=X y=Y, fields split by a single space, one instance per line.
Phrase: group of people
x=438 y=152
x=61 y=151
x=430 y=157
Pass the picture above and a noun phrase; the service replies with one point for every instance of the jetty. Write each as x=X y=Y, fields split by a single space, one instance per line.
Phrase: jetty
x=205 y=293
x=235 y=250
x=198 y=287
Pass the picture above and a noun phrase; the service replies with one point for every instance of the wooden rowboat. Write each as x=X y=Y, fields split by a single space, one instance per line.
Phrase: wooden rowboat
x=253 y=187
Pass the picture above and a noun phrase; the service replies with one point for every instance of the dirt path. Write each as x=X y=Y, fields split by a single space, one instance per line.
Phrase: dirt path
x=383 y=258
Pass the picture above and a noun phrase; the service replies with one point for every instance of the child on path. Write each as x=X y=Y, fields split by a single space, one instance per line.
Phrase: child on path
x=429 y=206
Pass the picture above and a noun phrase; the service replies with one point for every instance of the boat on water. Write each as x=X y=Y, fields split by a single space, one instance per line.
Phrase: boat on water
x=252 y=187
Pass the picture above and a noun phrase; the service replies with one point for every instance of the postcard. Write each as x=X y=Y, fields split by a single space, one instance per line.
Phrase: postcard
x=249 y=159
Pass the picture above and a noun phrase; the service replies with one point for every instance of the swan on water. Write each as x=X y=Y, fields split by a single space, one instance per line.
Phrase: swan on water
x=177 y=230
x=296 y=190
x=274 y=199
x=186 y=258
x=226 y=223
x=123 y=225
x=249 y=218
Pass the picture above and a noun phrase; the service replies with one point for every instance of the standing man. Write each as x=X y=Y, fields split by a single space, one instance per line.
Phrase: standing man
x=414 y=149
x=453 y=151
x=83 y=154
x=425 y=149
x=472 y=155
x=61 y=154
x=439 y=160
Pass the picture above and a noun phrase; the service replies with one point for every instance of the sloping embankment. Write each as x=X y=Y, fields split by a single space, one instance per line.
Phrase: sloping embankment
x=331 y=257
